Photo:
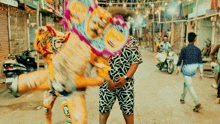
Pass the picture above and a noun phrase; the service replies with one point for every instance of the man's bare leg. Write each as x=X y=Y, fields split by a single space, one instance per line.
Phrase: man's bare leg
x=103 y=117
x=129 y=119
x=216 y=81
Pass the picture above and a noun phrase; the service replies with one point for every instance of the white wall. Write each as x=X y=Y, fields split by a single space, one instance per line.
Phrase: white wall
x=203 y=5
x=217 y=40
x=204 y=32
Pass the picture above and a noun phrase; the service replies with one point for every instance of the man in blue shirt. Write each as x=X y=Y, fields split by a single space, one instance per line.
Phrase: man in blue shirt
x=191 y=57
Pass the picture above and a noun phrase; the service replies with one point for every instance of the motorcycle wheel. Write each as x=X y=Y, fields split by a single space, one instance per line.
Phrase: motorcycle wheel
x=170 y=68
x=16 y=95
x=161 y=66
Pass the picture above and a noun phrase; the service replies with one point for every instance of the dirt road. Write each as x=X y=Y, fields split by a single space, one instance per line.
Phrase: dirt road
x=157 y=97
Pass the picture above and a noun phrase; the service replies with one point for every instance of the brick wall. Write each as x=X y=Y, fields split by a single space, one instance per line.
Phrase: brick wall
x=19 y=42
x=32 y=19
x=22 y=42
x=4 y=44
x=50 y=22
x=13 y=30
x=58 y=26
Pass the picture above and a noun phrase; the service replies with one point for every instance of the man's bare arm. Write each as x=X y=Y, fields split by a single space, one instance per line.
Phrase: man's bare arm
x=215 y=50
x=132 y=70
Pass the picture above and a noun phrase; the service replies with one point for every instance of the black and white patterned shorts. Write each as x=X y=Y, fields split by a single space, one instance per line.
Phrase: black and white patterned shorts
x=125 y=97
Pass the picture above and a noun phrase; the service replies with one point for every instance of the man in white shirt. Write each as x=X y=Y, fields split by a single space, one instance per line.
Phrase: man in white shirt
x=165 y=45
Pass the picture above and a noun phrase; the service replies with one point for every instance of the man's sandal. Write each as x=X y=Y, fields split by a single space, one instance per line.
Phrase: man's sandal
x=182 y=101
x=214 y=86
x=217 y=101
x=197 y=108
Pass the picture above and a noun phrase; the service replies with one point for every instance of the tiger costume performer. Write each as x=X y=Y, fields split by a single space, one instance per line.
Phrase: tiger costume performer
x=81 y=62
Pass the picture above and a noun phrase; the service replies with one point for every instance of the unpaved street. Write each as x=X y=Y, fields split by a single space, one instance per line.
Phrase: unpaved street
x=157 y=97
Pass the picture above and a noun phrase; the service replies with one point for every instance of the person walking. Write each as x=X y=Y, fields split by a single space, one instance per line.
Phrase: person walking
x=123 y=67
x=192 y=59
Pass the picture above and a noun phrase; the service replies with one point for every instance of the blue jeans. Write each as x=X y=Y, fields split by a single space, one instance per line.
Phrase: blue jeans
x=189 y=86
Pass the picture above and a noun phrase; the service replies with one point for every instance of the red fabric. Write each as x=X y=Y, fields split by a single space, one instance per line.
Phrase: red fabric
x=67 y=37
x=51 y=29
x=45 y=49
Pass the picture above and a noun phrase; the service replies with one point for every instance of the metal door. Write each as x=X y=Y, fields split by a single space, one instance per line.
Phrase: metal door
x=32 y=36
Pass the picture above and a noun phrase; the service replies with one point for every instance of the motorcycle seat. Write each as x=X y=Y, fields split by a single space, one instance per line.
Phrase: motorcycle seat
x=13 y=65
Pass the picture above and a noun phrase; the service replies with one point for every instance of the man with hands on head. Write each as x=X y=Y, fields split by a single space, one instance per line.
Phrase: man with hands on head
x=123 y=67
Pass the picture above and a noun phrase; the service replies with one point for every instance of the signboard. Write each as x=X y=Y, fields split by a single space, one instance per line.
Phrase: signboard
x=31 y=3
x=10 y=2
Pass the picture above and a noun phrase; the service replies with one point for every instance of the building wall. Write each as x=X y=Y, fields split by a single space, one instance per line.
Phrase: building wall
x=217 y=39
x=49 y=21
x=58 y=26
x=204 y=32
x=177 y=37
x=13 y=30
x=4 y=45
x=19 y=41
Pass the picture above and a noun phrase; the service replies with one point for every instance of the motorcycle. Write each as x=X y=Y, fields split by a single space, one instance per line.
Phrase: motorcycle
x=167 y=61
x=206 y=50
x=23 y=64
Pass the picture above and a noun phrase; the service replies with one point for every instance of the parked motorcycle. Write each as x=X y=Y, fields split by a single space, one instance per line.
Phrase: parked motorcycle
x=12 y=69
x=207 y=49
x=167 y=60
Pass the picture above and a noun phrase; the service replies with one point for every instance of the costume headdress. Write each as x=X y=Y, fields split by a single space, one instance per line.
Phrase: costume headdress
x=94 y=24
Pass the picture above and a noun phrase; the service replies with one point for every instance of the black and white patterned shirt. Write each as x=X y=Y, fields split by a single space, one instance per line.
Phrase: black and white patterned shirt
x=121 y=63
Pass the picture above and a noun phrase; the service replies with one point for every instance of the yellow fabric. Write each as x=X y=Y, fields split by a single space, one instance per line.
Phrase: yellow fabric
x=41 y=35
x=80 y=80
x=33 y=81
x=158 y=44
x=103 y=72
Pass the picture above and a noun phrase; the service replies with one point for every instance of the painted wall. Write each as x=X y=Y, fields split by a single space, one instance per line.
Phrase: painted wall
x=203 y=5
x=217 y=40
x=204 y=32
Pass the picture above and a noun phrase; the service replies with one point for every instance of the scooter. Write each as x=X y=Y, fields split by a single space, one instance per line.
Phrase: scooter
x=23 y=64
x=167 y=61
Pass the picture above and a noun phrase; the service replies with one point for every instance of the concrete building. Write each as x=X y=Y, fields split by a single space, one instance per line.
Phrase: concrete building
x=18 y=24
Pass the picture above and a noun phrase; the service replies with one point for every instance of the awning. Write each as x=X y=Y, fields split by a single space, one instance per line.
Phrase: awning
x=31 y=3
x=202 y=7
x=10 y=2
x=47 y=5
x=201 y=12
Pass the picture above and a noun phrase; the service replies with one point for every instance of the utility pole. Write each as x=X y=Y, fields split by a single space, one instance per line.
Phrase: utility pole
x=196 y=24
x=153 y=31
x=214 y=5
x=172 y=31
x=159 y=24
x=182 y=35
x=37 y=17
